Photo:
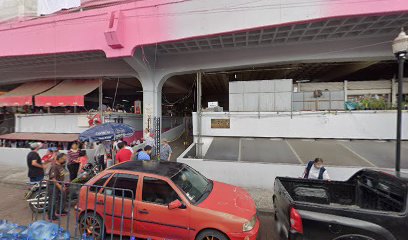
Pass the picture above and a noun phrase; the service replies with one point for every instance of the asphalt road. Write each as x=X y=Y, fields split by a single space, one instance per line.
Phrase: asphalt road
x=14 y=208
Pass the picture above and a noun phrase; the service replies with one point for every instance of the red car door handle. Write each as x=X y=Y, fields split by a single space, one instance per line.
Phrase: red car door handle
x=144 y=211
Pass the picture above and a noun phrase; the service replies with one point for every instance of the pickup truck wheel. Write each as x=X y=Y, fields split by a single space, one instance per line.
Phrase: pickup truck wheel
x=211 y=235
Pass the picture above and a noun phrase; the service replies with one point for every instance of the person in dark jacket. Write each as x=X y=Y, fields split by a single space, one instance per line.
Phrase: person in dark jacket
x=316 y=170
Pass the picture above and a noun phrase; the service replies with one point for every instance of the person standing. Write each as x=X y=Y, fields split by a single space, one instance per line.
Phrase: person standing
x=109 y=160
x=100 y=155
x=145 y=154
x=165 y=151
x=316 y=170
x=83 y=160
x=49 y=158
x=56 y=189
x=124 y=154
x=73 y=161
x=128 y=147
x=34 y=163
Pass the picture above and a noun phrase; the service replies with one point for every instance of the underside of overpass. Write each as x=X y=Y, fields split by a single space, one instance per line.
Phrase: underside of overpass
x=326 y=50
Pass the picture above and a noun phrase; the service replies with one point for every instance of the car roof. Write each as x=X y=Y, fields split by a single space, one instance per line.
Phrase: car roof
x=161 y=168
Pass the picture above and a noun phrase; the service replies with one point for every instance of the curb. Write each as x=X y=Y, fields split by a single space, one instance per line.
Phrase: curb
x=265 y=211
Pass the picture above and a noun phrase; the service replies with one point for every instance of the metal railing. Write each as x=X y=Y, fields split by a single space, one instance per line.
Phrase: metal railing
x=85 y=210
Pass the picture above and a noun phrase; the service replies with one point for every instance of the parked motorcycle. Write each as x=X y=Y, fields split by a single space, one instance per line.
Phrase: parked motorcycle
x=37 y=196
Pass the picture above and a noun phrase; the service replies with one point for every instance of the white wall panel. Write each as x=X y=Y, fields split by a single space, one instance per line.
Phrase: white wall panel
x=267 y=86
x=251 y=87
x=283 y=85
x=251 y=102
x=262 y=95
x=236 y=102
x=347 y=125
x=236 y=87
x=283 y=101
x=267 y=102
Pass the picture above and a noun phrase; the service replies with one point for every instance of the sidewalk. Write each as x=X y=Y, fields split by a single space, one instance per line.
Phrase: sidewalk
x=13 y=175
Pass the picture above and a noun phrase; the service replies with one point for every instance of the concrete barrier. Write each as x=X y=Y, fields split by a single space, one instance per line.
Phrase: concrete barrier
x=337 y=125
x=174 y=133
x=257 y=175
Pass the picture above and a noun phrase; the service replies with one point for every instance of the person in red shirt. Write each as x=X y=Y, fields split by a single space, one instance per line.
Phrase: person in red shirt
x=83 y=160
x=124 y=154
x=49 y=158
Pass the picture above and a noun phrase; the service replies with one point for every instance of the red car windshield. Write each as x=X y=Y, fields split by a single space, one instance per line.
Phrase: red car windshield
x=192 y=183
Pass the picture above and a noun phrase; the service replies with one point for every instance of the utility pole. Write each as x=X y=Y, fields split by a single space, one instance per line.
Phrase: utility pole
x=101 y=100
x=199 y=146
x=400 y=50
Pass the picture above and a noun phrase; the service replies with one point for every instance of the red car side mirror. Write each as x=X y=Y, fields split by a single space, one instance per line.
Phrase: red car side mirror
x=175 y=204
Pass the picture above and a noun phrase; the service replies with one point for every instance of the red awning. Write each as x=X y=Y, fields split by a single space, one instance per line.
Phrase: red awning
x=50 y=137
x=67 y=93
x=23 y=95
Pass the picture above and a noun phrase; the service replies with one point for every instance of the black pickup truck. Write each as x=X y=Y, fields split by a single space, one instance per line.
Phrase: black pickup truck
x=371 y=205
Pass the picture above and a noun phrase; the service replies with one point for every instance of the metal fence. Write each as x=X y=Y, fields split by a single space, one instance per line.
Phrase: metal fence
x=86 y=211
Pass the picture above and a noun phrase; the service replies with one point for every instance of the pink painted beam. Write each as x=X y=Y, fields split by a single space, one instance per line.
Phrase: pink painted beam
x=138 y=23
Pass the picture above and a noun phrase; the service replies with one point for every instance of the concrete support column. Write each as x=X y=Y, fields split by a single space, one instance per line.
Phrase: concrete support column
x=152 y=104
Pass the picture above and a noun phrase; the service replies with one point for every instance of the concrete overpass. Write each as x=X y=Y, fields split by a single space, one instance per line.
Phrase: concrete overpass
x=155 y=40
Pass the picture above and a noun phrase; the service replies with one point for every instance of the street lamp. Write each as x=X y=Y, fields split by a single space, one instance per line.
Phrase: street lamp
x=399 y=48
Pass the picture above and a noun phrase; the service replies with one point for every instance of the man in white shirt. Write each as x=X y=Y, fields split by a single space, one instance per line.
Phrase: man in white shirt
x=100 y=155
x=128 y=147
x=316 y=170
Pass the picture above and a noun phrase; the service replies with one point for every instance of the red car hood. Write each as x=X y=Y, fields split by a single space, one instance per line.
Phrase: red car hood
x=230 y=199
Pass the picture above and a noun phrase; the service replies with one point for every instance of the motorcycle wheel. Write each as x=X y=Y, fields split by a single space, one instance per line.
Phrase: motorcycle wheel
x=37 y=206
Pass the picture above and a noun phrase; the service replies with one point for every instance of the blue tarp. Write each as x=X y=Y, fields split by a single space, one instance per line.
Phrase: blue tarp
x=106 y=132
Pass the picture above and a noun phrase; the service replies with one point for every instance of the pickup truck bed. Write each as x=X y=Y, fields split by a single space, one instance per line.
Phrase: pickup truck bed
x=371 y=205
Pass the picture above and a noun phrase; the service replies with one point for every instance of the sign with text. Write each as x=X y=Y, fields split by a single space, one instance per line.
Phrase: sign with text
x=220 y=123
x=212 y=104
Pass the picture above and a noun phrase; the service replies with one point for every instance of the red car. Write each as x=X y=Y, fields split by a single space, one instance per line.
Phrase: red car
x=165 y=200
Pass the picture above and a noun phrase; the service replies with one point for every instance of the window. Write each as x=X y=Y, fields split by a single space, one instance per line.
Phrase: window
x=124 y=185
x=195 y=186
x=158 y=191
x=99 y=183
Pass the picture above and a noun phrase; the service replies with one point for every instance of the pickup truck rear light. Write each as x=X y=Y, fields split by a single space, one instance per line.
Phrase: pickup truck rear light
x=296 y=221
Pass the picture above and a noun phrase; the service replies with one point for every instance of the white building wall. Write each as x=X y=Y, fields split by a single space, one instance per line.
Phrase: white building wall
x=341 y=125
x=64 y=123
x=52 y=123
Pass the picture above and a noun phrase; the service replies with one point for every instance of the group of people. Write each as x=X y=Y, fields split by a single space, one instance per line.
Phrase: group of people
x=39 y=166
x=125 y=153
x=53 y=163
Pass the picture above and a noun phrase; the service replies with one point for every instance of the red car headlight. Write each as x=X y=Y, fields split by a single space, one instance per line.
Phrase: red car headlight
x=248 y=226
